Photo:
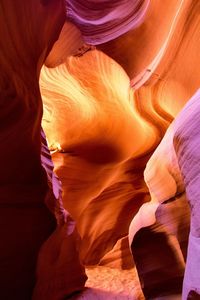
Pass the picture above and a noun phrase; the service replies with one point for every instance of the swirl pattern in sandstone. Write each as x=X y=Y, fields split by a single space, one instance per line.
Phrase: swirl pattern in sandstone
x=112 y=189
x=103 y=133
x=102 y=21
x=96 y=138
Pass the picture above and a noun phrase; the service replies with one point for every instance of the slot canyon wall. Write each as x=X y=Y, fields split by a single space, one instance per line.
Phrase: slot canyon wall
x=112 y=81
x=28 y=29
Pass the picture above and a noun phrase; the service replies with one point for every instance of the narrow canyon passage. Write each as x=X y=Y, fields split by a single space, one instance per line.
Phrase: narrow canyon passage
x=94 y=92
x=99 y=129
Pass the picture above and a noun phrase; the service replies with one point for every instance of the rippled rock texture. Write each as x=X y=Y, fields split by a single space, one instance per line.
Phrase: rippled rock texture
x=117 y=76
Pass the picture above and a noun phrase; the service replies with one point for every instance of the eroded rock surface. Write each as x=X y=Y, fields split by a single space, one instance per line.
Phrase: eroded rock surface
x=101 y=133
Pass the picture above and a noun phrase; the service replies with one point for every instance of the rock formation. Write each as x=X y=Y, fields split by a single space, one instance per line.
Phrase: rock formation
x=117 y=76
x=28 y=31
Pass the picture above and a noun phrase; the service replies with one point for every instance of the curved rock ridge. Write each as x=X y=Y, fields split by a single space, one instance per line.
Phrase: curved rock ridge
x=186 y=143
x=102 y=21
x=173 y=169
x=164 y=174
x=164 y=181
x=70 y=41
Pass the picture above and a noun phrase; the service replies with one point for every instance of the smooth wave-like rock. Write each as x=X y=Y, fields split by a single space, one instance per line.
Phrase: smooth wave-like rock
x=101 y=133
x=94 y=146
x=186 y=143
x=102 y=21
x=159 y=75
x=173 y=169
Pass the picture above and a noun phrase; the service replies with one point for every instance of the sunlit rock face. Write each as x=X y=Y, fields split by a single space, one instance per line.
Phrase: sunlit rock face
x=96 y=138
x=104 y=132
x=110 y=89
